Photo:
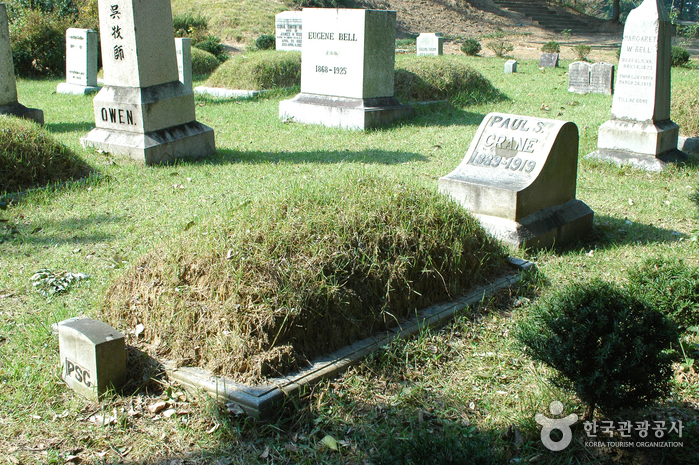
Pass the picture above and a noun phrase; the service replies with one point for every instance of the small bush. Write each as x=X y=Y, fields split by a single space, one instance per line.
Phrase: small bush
x=551 y=47
x=581 y=51
x=259 y=71
x=671 y=286
x=195 y=27
x=678 y=56
x=608 y=346
x=203 y=63
x=265 y=42
x=213 y=45
x=38 y=43
x=471 y=46
x=500 y=47
x=441 y=78
x=31 y=157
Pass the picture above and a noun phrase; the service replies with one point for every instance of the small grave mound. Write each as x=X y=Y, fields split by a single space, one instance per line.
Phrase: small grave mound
x=303 y=274
x=31 y=157
x=258 y=71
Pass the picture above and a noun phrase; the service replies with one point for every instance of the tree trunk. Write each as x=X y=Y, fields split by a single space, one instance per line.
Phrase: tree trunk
x=616 y=10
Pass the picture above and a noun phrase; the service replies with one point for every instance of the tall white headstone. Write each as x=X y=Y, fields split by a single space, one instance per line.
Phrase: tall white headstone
x=518 y=179
x=289 y=30
x=640 y=131
x=347 y=70
x=143 y=110
x=183 y=46
x=81 y=62
x=8 y=85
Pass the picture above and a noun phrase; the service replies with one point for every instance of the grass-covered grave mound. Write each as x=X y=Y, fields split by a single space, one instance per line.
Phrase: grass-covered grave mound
x=431 y=78
x=31 y=157
x=303 y=274
x=263 y=70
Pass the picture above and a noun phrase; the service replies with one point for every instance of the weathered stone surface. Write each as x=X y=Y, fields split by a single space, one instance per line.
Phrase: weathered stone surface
x=143 y=103
x=81 y=62
x=602 y=78
x=347 y=66
x=8 y=85
x=510 y=66
x=430 y=44
x=579 y=77
x=93 y=356
x=640 y=131
x=519 y=179
x=548 y=60
x=289 y=30
x=183 y=48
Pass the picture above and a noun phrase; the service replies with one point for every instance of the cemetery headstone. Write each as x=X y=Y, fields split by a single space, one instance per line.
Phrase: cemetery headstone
x=143 y=110
x=8 y=85
x=93 y=356
x=548 y=60
x=81 y=62
x=510 y=66
x=519 y=180
x=579 y=77
x=183 y=47
x=347 y=70
x=602 y=78
x=289 y=30
x=430 y=44
x=640 y=131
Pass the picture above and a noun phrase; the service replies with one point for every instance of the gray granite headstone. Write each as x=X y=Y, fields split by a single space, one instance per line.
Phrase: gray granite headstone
x=8 y=85
x=143 y=110
x=430 y=44
x=93 y=356
x=510 y=66
x=81 y=62
x=347 y=70
x=579 y=77
x=602 y=78
x=640 y=132
x=519 y=180
x=289 y=30
x=183 y=47
x=548 y=60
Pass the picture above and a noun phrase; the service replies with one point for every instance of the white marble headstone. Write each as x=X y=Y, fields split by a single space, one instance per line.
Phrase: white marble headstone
x=81 y=62
x=430 y=44
x=289 y=30
x=183 y=46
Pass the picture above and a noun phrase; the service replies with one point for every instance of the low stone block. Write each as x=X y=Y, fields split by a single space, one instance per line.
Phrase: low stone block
x=519 y=180
x=510 y=66
x=20 y=111
x=93 y=357
x=74 y=89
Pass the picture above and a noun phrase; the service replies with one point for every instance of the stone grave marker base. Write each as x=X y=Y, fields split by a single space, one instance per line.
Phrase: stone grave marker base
x=639 y=137
x=348 y=113
x=640 y=160
x=20 y=111
x=73 y=89
x=552 y=226
x=189 y=140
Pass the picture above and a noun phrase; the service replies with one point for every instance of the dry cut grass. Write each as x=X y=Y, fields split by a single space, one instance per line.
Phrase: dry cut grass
x=324 y=266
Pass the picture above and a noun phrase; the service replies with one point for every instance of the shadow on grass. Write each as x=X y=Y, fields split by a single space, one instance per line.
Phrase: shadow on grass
x=69 y=230
x=381 y=157
x=82 y=127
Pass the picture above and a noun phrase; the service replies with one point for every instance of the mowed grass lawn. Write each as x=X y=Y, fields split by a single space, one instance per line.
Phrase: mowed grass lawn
x=464 y=391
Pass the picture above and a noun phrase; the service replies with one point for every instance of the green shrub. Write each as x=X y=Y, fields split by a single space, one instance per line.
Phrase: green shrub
x=213 y=45
x=671 y=286
x=500 y=47
x=581 y=51
x=195 y=27
x=608 y=346
x=471 y=46
x=265 y=42
x=441 y=78
x=203 y=63
x=39 y=44
x=551 y=47
x=678 y=56
x=326 y=263
x=31 y=157
x=259 y=71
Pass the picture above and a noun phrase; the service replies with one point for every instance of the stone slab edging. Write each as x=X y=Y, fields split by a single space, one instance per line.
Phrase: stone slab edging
x=262 y=400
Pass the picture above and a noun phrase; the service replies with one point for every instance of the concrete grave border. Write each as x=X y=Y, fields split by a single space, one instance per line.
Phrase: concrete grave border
x=261 y=401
